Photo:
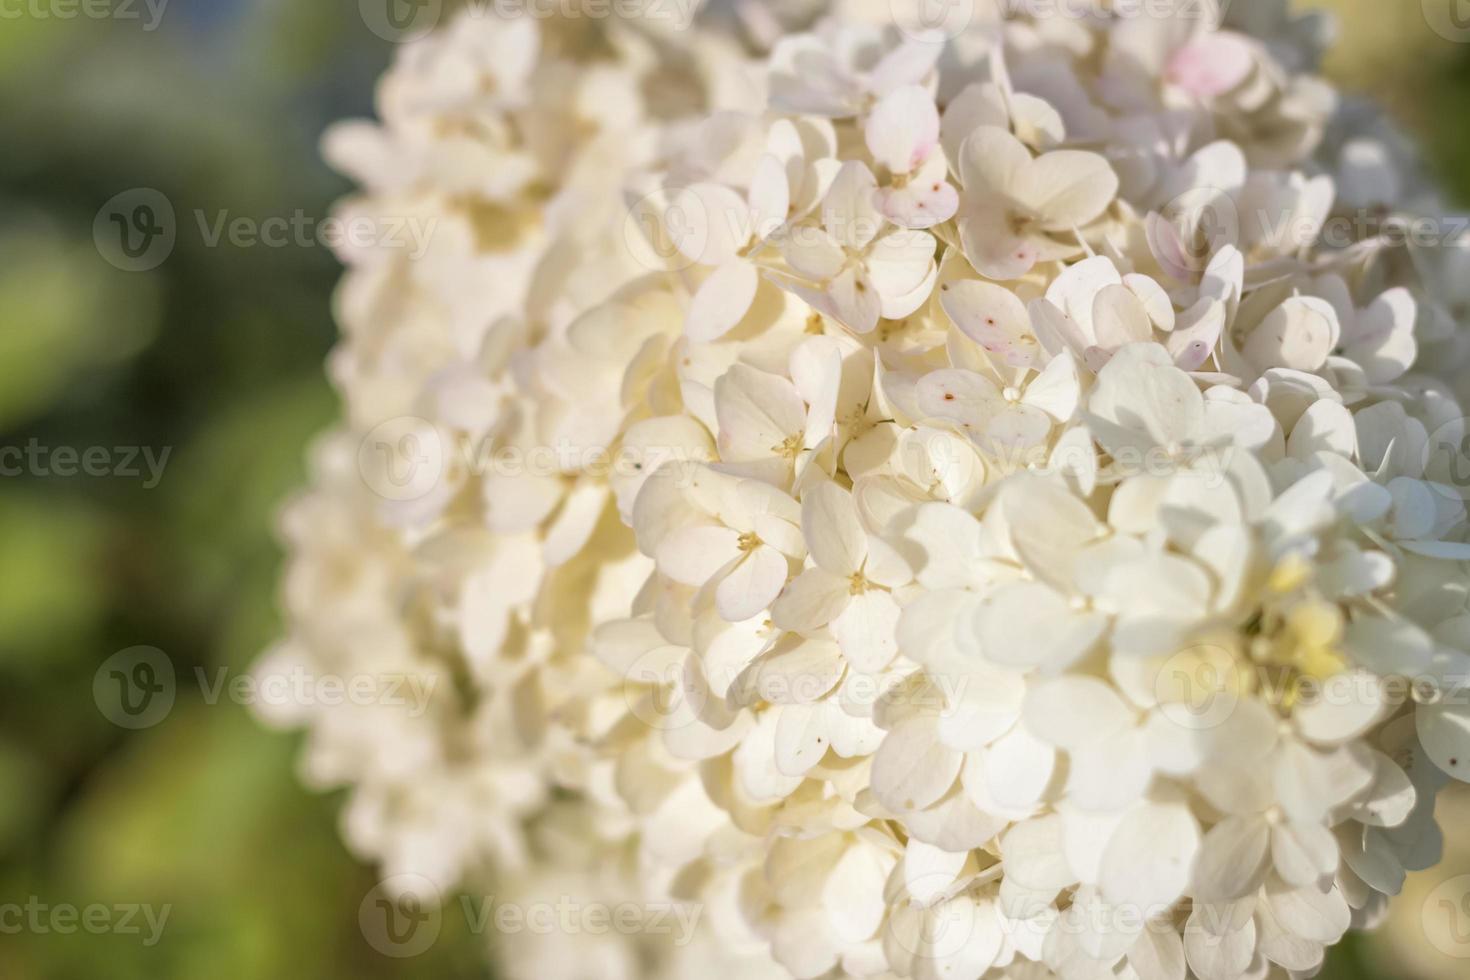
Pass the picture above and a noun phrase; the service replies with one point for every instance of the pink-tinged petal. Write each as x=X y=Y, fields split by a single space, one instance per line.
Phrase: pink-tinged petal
x=1212 y=65
x=1197 y=334
x=919 y=205
x=903 y=130
x=995 y=251
x=993 y=317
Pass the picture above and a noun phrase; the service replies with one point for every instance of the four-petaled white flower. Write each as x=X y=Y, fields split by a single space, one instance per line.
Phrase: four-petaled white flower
x=854 y=267
x=1017 y=210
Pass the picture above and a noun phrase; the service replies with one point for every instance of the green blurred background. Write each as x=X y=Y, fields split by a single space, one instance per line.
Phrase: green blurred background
x=216 y=356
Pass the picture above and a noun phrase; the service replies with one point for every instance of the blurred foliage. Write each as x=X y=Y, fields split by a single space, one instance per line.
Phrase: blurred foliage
x=216 y=356
x=1387 y=51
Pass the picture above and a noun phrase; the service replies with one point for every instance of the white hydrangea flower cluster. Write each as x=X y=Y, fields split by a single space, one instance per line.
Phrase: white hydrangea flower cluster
x=947 y=504
x=438 y=567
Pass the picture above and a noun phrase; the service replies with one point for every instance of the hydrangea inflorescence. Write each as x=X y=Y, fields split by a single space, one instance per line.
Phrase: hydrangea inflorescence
x=982 y=502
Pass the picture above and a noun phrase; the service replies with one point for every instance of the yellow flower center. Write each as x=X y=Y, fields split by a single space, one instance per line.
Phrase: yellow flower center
x=1304 y=649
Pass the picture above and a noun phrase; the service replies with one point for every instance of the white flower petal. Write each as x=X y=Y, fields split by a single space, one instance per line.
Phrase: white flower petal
x=692 y=555
x=1111 y=774
x=1303 y=853
x=1234 y=856
x=913 y=769
x=1298 y=334
x=834 y=532
x=853 y=896
x=721 y=301
x=752 y=586
x=708 y=223
x=849 y=213
x=1158 y=954
x=865 y=630
x=1147 y=861
x=1212 y=955
x=929 y=871
x=811 y=600
x=1319 y=914
x=1444 y=730
x=1026 y=624
x=757 y=411
x=1019 y=768
x=1069 y=712
x=1067 y=188
x=991 y=159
